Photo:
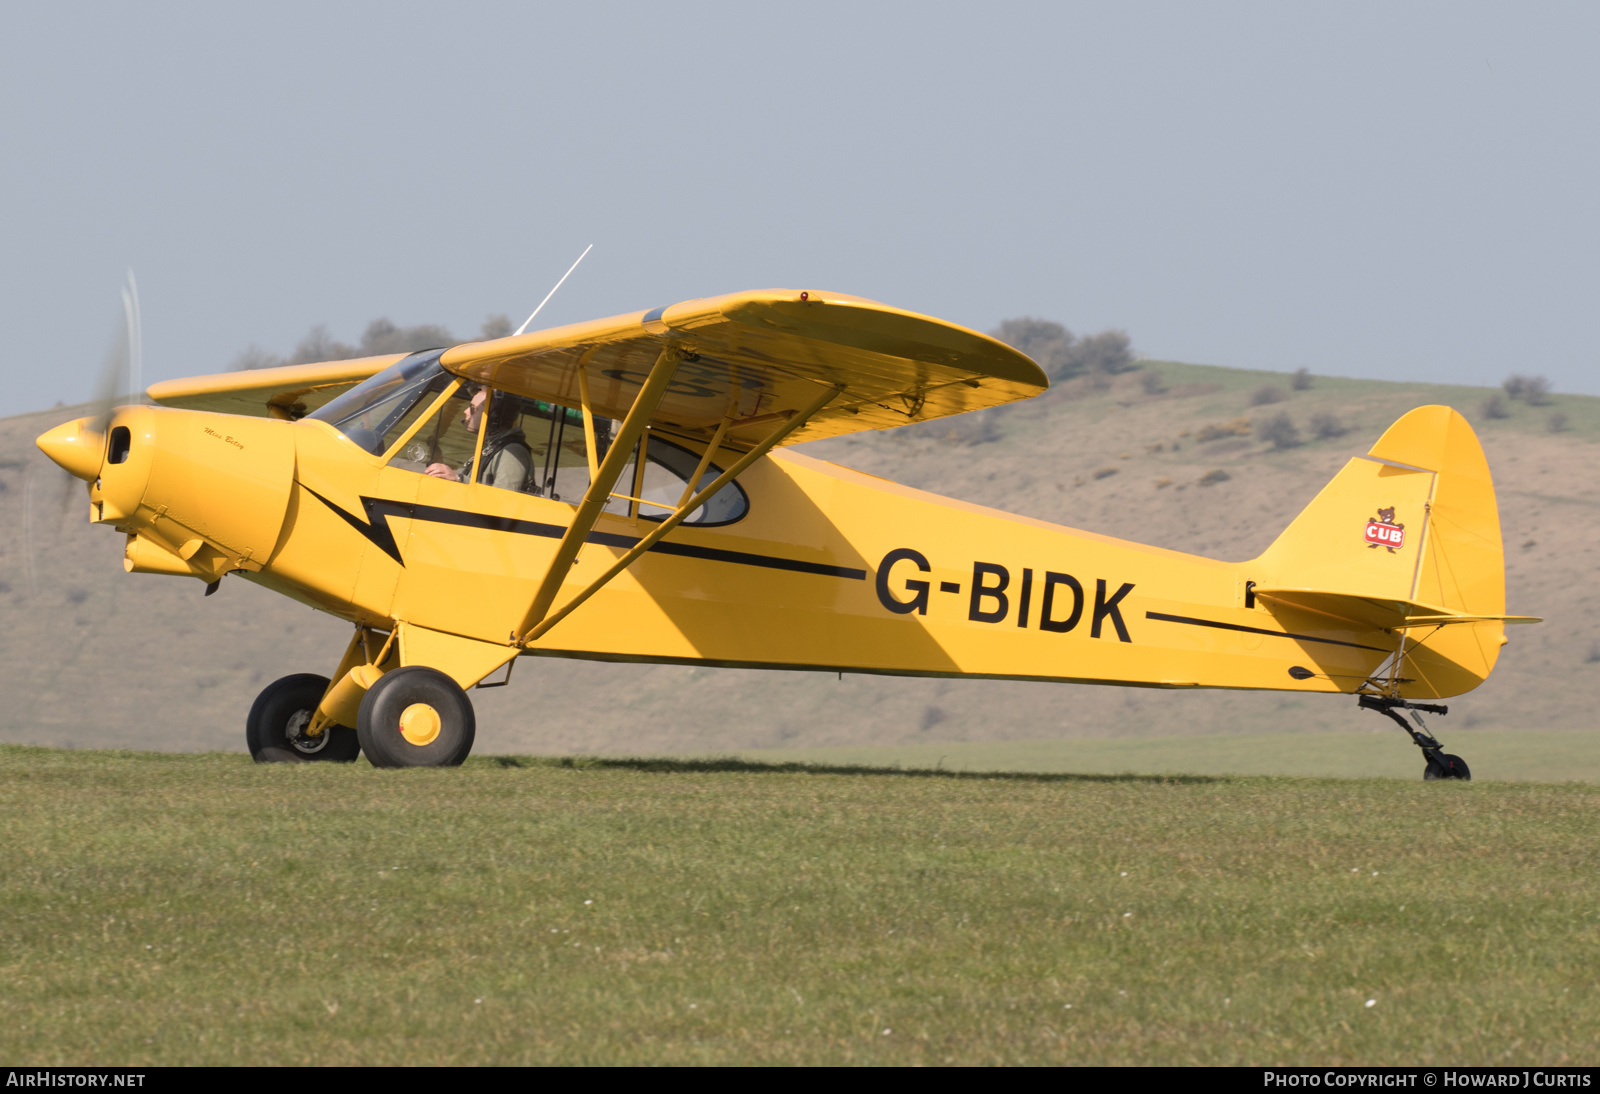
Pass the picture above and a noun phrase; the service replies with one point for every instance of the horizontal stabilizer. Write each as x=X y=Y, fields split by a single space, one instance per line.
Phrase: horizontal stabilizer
x=1375 y=611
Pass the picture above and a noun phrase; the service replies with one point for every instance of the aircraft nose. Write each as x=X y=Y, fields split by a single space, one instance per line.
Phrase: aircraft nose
x=77 y=446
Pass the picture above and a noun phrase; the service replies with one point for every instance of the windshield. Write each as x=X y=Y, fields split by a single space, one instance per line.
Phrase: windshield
x=368 y=412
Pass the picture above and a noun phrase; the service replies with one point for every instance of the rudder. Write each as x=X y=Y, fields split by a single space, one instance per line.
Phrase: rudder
x=1415 y=520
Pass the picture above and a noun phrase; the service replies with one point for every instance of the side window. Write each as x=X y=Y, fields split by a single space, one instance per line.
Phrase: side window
x=538 y=448
x=667 y=470
x=560 y=455
x=447 y=447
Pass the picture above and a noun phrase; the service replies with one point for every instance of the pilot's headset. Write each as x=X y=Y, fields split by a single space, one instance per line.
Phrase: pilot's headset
x=505 y=411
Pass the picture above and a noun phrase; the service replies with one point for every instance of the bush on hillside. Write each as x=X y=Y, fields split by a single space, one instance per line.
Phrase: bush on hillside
x=1301 y=380
x=1103 y=354
x=1533 y=390
x=1267 y=394
x=1325 y=426
x=1279 y=431
x=1215 y=431
x=1495 y=407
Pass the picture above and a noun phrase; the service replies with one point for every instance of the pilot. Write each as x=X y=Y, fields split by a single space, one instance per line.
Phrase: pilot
x=507 y=459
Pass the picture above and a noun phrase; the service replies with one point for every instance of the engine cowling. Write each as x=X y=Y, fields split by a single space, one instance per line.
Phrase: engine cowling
x=213 y=489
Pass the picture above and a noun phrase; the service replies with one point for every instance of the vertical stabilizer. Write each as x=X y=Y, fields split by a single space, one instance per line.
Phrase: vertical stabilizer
x=1414 y=520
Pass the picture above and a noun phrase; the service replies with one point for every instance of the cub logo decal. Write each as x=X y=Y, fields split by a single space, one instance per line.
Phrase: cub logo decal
x=1384 y=531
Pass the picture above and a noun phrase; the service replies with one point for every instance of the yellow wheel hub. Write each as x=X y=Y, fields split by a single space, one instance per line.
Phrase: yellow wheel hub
x=420 y=724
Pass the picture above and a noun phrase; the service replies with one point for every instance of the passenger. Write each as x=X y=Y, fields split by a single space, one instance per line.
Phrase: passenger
x=507 y=459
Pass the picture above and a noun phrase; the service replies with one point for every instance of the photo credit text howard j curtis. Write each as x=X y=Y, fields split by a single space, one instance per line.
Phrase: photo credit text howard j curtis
x=1429 y=1078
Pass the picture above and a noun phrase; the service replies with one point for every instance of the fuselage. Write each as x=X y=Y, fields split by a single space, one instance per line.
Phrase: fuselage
x=828 y=569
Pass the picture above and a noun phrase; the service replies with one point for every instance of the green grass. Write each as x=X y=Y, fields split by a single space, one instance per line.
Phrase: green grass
x=197 y=909
x=1492 y=754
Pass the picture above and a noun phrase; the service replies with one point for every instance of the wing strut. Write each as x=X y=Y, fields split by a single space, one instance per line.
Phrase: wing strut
x=599 y=492
x=535 y=625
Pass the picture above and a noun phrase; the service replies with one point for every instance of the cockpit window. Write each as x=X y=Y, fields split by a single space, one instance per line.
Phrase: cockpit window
x=529 y=446
x=443 y=444
x=375 y=412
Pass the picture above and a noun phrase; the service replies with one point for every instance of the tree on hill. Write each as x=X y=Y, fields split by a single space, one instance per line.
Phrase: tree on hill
x=1533 y=390
x=381 y=336
x=1063 y=354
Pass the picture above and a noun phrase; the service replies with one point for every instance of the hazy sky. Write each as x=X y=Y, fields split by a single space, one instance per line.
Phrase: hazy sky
x=1385 y=190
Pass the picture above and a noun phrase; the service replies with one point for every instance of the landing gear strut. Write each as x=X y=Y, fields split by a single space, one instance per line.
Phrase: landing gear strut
x=1441 y=764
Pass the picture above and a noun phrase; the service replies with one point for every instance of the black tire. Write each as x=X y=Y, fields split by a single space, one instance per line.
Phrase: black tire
x=393 y=734
x=278 y=717
x=1447 y=767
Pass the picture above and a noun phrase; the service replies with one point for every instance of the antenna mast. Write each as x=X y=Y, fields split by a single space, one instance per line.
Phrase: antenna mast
x=552 y=292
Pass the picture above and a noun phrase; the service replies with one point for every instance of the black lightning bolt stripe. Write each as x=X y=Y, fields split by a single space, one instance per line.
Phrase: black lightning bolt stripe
x=1258 y=630
x=376 y=530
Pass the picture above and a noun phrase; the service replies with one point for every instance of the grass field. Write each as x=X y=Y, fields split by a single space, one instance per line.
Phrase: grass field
x=1492 y=754
x=198 y=909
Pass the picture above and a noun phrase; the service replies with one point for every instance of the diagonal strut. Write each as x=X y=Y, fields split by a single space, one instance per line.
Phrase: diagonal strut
x=535 y=630
x=599 y=492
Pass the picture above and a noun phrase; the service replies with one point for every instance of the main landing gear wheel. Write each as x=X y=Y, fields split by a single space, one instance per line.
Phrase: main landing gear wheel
x=276 y=727
x=1446 y=766
x=416 y=717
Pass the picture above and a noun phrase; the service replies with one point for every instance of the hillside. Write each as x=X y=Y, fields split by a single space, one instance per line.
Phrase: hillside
x=91 y=657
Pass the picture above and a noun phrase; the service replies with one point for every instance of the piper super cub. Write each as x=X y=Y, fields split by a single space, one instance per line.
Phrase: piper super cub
x=617 y=490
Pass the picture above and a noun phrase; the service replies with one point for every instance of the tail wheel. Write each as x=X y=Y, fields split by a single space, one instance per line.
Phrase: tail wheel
x=280 y=716
x=1447 y=767
x=416 y=717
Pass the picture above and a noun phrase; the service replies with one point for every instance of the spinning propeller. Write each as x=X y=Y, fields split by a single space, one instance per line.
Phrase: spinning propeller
x=76 y=447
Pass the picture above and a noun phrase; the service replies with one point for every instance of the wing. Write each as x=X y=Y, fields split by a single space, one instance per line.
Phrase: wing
x=292 y=391
x=762 y=355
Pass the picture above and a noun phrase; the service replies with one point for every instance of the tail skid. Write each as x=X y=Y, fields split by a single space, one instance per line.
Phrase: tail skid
x=1441 y=764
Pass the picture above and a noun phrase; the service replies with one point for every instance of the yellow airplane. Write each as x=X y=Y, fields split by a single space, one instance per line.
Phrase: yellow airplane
x=616 y=490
